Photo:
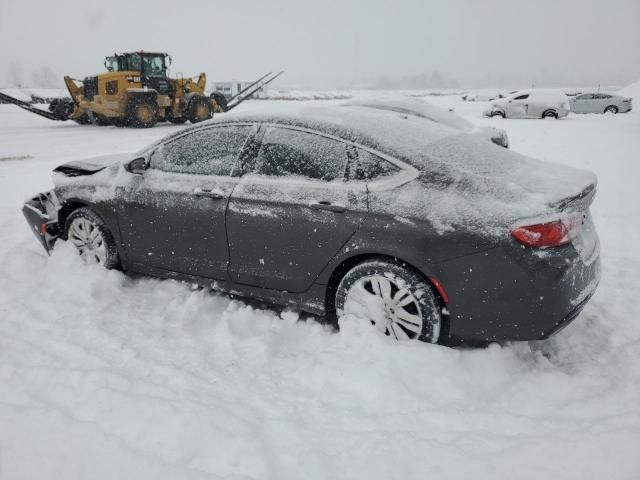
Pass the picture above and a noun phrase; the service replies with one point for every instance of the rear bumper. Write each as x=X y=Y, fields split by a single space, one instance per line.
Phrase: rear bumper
x=517 y=294
x=41 y=213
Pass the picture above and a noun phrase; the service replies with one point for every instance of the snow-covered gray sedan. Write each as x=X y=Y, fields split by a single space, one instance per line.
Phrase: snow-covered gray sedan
x=429 y=233
x=600 y=102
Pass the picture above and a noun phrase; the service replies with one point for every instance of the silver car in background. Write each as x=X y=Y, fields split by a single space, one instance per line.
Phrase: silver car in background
x=600 y=102
x=533 y=103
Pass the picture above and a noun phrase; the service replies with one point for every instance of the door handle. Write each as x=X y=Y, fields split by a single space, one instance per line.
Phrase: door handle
x=207 y=192
x=324 y=205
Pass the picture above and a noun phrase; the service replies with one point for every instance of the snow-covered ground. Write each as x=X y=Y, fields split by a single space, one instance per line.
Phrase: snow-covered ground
x=104 y=376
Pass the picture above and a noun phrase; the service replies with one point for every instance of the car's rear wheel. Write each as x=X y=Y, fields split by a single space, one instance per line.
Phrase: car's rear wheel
x=611 y=109
x=394 y=298
x=550 y=114
x=91 y=237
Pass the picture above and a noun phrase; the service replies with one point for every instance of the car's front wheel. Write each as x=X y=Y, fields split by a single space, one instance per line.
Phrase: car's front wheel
x=91 y=237
x=397 y=301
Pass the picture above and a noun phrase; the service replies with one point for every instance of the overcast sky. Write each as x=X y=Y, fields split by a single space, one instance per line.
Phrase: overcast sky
x=325 y=44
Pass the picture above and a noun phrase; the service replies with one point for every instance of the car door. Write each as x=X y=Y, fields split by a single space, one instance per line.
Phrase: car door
x=172 y=217
x=518 y=106
x=600 y=102
x=583 y=103
x=292 y=211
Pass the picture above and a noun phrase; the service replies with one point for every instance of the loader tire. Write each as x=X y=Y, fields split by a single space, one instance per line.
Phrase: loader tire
x=221 y=100
x=142 y=113
x=176 y=120
x=61 y=108
x=199 y=109
x=82 y=119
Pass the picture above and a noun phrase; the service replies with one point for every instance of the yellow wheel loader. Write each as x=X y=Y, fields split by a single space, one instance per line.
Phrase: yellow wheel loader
x=137 y=92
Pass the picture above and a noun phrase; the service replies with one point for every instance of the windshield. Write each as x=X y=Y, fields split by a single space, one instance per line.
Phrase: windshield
x=112 y=64
x=153 y=65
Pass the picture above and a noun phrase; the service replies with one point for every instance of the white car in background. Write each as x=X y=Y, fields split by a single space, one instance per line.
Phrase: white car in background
x=600 y=102
x=533 y=103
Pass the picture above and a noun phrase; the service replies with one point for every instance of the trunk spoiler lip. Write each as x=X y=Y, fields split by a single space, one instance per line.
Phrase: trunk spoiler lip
x=580 y=201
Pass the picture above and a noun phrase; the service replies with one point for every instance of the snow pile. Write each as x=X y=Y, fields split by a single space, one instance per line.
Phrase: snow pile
x=35 y=94
x=632 y=91
x=105 y=376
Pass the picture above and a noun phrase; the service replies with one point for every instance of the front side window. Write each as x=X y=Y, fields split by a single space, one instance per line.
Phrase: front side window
x=212 y=151
x=584 y=97
x=286 y=152
x=522 y=97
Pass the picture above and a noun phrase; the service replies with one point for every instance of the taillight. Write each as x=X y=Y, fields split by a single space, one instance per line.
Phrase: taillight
x=549 y=234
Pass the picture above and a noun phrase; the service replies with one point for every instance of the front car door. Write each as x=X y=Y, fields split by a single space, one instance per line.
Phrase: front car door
x=292 y=211
x=582 y=103
x=172 y=217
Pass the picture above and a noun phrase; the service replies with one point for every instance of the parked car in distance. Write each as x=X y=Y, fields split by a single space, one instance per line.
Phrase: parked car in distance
x=534 y=103
x=600 y=102
x=429 y=233
x=430 y=112
x=485 y=95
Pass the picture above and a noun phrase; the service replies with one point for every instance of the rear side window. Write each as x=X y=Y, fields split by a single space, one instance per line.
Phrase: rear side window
x=212 y=151
x=366 y=166
x=286 y=152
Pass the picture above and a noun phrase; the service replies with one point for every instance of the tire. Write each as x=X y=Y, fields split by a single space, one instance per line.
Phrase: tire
x=497 y=113
x=142 y=113
x=550 y=113
x=611 y=109
x=61 y=107
x=176 y=120
x=199 y=109
x=376 y=289
x=100 y=120
x=82 y=119
x=86 y=230
x=220 y=99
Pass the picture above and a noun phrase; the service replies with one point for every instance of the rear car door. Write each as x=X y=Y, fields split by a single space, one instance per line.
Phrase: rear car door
x=600 y=102
x=292 y=211
x=172 y=217
x=518 y=106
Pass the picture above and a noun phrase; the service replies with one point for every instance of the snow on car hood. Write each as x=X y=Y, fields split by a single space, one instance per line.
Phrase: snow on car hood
x=91 y=165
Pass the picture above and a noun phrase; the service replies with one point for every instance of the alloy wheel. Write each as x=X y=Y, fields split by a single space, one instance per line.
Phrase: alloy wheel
x=88 y=239
x=391 y=307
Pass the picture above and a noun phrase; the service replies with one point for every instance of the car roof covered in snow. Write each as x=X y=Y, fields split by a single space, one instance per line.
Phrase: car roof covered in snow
x=401 y=135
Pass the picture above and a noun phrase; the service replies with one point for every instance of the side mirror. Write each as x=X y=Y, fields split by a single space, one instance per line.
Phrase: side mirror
x=137 y=166
x=510 y=101
x=168 y=60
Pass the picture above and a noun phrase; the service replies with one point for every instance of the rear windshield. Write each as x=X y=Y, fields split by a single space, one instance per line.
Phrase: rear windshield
x=468 y=154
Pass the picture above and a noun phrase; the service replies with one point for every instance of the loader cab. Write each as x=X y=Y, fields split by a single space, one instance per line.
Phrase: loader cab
x=152 y=68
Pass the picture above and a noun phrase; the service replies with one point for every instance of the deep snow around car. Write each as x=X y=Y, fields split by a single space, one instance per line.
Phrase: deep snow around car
x=101 y=375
